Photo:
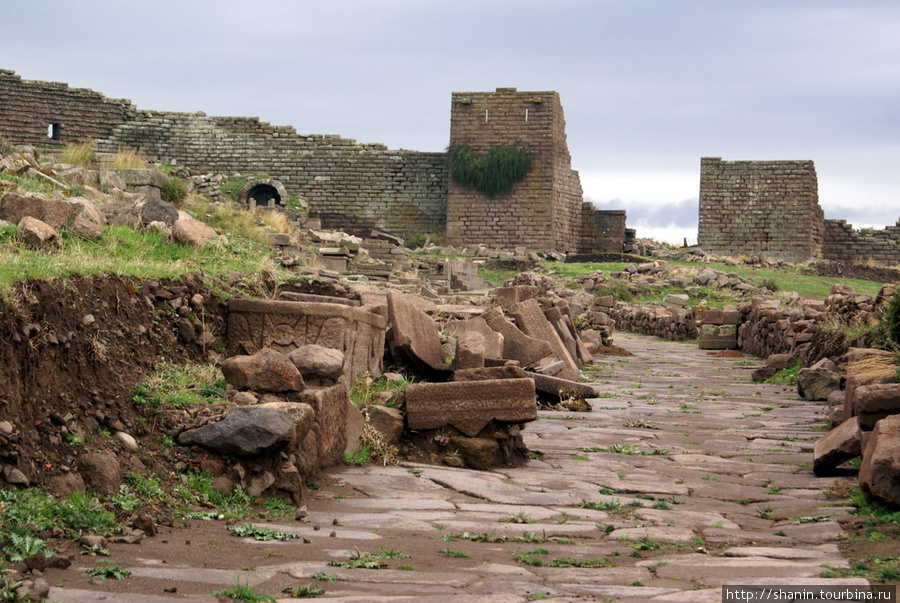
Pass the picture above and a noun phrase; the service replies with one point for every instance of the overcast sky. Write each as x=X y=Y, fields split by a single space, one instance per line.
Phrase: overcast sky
x=648 y=86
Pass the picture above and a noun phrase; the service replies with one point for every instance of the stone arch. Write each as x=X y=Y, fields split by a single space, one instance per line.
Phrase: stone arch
x=265 y=192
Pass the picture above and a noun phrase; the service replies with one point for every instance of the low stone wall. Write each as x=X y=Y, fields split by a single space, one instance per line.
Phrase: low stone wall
x=285 y=326
x=843 y=243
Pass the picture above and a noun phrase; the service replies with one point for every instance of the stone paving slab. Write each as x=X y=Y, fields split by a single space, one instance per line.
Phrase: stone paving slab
x=685 y=476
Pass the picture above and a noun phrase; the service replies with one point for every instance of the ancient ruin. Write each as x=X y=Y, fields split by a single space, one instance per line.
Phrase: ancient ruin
x=771 y=208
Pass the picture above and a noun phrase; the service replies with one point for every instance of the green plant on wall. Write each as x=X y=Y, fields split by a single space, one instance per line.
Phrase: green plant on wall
x=493 y=174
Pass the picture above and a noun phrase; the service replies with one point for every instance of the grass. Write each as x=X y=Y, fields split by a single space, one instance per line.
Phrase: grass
x=178 y=385
x=365 y=388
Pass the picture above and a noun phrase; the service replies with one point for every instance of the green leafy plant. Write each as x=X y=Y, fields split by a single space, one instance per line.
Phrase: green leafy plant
x=492 y=175
x=244 y=593
x=248 y=530
x=173 y=190
x=304 y=591
x=21 y=547
x=453 y=553
x=108 y=570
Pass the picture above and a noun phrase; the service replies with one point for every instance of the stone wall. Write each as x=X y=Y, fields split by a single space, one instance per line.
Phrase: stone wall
x=41 y=113
x=843 y=243
x=349 y=185
x=760 y=207
x=602 y=231
x=543 y=211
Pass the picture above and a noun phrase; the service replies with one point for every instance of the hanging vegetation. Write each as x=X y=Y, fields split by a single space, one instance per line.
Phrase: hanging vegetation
x=492 y=175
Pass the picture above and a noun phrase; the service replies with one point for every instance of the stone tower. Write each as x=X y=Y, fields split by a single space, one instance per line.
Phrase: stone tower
x=543 y=211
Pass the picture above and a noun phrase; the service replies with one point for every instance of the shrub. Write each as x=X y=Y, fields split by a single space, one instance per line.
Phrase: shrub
x=173 y=191
x=492 y=175
x=892 y=317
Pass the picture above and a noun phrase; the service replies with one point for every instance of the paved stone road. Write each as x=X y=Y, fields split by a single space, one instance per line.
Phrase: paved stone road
x=685 y=476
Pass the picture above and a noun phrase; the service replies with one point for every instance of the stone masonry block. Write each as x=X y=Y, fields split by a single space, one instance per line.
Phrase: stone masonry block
x=470 y=405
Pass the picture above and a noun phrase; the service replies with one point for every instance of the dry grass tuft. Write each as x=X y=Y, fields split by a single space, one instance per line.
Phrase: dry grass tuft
x=80 y=154
x=275 y=220
x=127 y=158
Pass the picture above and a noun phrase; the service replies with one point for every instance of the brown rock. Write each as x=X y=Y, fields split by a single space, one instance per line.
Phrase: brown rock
x=469 y=351
x=531 y=320
x=387 y=421
x=53 y=212
x=562 y=388
x=37 y=234
x=355 y=424
x=477 y=453
x=470 y=405
x=838 y=446
x=318 y=362
x=101 y=472
x=516 y=344
x=191 y=232
x=817 y=383
x=509 y=371
x=64 y=484
x=302 y=414
x=266 y=370
x=875 y=402
x=330 y=441
x=415 y=335
x=86 y=229
x=507 y=297
x=879 y=472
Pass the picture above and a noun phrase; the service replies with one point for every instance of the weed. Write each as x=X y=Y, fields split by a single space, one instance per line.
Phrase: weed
x=646 y=544
x=520 y=517
x=304 y=591
x=244 y=593
x=248 y=530
x=21 y=547
x=324 y=577
x=591 y=562
x=453 y=553
x=360 y=560
x=108 y=570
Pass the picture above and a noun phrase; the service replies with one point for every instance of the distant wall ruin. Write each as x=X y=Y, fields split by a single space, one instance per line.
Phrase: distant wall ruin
x=349 y=185
x=760 y=207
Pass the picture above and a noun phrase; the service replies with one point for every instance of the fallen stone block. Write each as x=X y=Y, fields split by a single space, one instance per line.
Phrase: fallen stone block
x=329 y=428
x=838 y=446
x=53 y=212
x=530 y=320
x=415 y=335
x=318 y=362
x=507 y=371
x=493 y=341
x=37 y=234
x=879 y=472
x=875 y=402
x=469 y=351
x=516 y=344
x=287 y=325
x=386 y=421
x=507 y=297
x=470 y=405
x=562 y=388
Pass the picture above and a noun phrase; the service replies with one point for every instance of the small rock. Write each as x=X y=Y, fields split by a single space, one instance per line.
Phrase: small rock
x=127 y=441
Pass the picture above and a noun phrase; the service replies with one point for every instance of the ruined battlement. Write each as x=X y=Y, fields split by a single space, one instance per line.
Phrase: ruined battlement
x=349 y=185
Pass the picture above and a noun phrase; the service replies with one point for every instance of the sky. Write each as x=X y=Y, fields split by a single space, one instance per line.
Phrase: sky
x=648 y=87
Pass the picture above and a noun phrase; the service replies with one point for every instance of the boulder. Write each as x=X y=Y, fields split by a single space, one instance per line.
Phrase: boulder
x=879 y=472
x=156 y=210
x=101 y=472
x=245 y=431
x=192 y=233
x=302 y=414
x=37 y=234
x=82 y=207
x=875 y=402
x=266 y=370
x=386 y=421
x=838 y=446
x=86 y=229
x=470 y=405
x=54 y=212
x=817 y=383
x=318 y=362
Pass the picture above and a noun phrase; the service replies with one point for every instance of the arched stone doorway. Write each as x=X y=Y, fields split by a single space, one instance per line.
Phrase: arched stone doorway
x=263 y=193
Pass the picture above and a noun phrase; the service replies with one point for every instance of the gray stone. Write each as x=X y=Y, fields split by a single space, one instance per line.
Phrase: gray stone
x=817 y=384
x=318 y=362
x=245 y=431
x=155 y=210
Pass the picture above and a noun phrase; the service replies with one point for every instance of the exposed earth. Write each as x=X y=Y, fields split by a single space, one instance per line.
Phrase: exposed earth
x=685 y=476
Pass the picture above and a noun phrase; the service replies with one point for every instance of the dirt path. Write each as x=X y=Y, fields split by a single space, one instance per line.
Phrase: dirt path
x=685 y=476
